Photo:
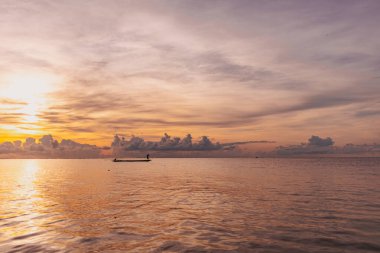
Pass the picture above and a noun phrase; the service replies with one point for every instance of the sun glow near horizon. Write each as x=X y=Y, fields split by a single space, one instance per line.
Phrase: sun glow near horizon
x=26 y=94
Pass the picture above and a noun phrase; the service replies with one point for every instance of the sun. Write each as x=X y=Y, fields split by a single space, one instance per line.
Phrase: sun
x=28 y=91
x=28 y=87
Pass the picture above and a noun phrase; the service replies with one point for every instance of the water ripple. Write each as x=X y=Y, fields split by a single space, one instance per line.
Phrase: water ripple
x=190 y=205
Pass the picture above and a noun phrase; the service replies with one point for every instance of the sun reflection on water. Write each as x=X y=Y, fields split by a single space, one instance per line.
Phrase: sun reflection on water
x=29 y=174
x=24 y=201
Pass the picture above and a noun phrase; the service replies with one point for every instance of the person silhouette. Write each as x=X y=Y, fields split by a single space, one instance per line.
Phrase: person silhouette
x=147 y=156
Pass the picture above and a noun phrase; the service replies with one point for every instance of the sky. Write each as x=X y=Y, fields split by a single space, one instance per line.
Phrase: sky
x=265 y=74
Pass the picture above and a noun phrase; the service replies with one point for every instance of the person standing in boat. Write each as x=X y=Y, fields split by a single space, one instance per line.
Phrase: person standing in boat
x=147 y=156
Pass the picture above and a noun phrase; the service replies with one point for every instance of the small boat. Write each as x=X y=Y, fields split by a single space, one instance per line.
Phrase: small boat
x=130 y=160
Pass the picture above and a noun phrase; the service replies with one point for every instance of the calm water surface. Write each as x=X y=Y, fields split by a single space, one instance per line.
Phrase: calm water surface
x=190 y=205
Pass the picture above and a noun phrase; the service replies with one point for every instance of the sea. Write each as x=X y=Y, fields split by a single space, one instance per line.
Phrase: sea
x=191 y=205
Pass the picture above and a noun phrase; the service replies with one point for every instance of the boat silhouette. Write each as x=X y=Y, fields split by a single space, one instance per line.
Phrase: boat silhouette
x=130 y=160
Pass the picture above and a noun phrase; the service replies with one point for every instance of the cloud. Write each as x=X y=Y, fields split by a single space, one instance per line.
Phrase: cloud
x=11 y=118
x=10 y=147
x=367 y=113
x=168 y=143
x=321 y=146
x=7 y=101
x=360 y=149
x=48 y=147
x=322 y=142
x=215 y=66
x=315 y=145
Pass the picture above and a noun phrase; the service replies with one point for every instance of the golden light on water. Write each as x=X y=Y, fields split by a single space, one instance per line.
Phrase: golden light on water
x=30 y=169
x=22 y=181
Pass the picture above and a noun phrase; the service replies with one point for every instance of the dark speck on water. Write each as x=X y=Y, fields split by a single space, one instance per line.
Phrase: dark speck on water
x=191 y=205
